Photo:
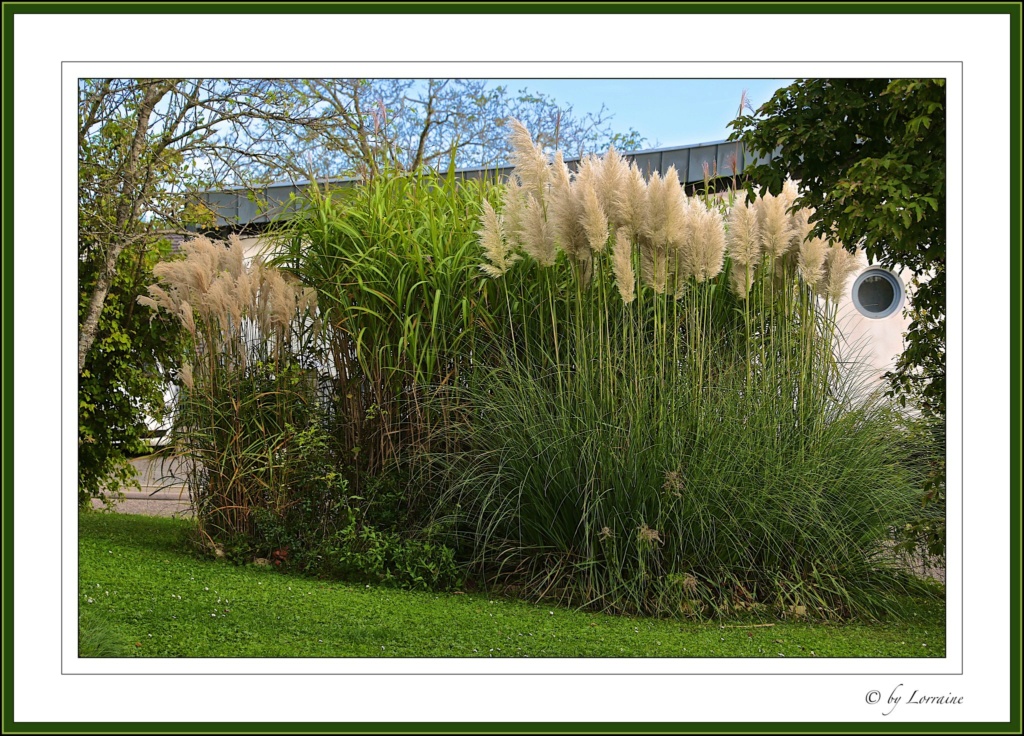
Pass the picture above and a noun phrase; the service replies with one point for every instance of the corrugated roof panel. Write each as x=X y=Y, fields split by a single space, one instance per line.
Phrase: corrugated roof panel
x=235 y=208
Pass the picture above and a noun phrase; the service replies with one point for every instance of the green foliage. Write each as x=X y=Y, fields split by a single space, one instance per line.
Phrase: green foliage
x=97 y=637
x=394 y=263
x=124 y=376
x=870 y=156
x=174 y=605
x=707 y=493
x=362 y=553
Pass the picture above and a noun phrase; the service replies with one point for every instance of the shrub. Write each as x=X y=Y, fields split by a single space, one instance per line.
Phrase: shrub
x=364 y=554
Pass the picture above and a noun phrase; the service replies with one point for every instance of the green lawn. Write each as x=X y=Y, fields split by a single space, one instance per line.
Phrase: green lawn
x=141 y=594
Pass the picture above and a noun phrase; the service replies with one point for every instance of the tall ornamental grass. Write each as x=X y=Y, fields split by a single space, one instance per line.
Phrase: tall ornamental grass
x=664 y=428
x=394 y=262
x=244 y=397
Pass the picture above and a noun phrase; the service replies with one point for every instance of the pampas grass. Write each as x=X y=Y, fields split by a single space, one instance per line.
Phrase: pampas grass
x=497 y=252
x=774 y=225
x=242 y=392
x=622 y=265
x=743 y=245
x=840 y=265
x=660 y=445
x=707 y=244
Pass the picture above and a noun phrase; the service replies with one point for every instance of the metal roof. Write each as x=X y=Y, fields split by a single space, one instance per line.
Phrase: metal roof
x=241 y=206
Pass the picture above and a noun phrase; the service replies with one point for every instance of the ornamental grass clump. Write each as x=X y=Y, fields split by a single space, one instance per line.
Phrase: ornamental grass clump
x=243 y=395
x=396 y=264
x=664 y=429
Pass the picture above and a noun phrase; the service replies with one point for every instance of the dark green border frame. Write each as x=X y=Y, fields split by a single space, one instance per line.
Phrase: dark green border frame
x=1012 y=9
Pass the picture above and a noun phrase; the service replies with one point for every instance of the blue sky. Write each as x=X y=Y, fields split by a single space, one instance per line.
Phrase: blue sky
x=669 y=112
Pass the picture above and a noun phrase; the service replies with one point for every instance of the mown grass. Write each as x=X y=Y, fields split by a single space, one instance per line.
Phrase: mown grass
x=153 y=599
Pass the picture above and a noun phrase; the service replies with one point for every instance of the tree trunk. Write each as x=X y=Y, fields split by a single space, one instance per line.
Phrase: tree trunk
x=126 y=213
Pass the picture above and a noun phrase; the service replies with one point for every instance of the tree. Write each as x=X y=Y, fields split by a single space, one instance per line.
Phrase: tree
x=144 y=148
x=356 y=126
x=870 y=157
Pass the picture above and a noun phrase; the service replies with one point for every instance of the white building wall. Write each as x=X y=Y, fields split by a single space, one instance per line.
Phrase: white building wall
x=871 y=346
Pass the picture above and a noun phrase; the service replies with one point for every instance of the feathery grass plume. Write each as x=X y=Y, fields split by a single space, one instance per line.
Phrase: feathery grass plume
x=743 y=243
x=233 y=257
x=512 y=208
x=789 y=194
x=811 y=261
x=682 y=246
x=622 y=265
x=658 y=232
x=840 y=265
x=612 y=183
x=800 y=224
x=147 y=301
x=529 y=160
x=186 y=375
x=594 y=218
x=565 y=212
x=673 y=227
x=280 y=304
x=653 y=264
x=773 y=222
x=184 y=312
x=499 y=255
x=537 y=236
x=707 y=245
x=635 y=211
x=219 y=305
x=667 y=209
x=158 y=298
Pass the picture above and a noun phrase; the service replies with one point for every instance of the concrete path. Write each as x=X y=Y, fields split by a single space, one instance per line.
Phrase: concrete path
x=163 y=489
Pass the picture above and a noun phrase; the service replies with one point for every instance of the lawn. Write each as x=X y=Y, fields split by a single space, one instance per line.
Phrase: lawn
x=143 y=594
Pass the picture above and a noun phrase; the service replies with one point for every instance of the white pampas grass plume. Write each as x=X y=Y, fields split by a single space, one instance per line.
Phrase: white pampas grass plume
x=565 y=212
x=147 y=301
x=622 y=265
x=665 y=232
x=233 y=257
x=666 y=214
x=512 y=208
x=497 y=252
x=743 y=244
x=811 y=261
x=537 y=236
x=682 y=246
x=790 y=192
x=635 y=210
x=529 y=160
x=707 y=246
x=612 y=181
x=800 y=224
x=773 y=221
x=561 y=179
x=595 y=220
x=840 y=265
x=653 y=264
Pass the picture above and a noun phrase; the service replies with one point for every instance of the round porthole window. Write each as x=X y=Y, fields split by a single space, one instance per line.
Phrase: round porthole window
x=877 y=293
